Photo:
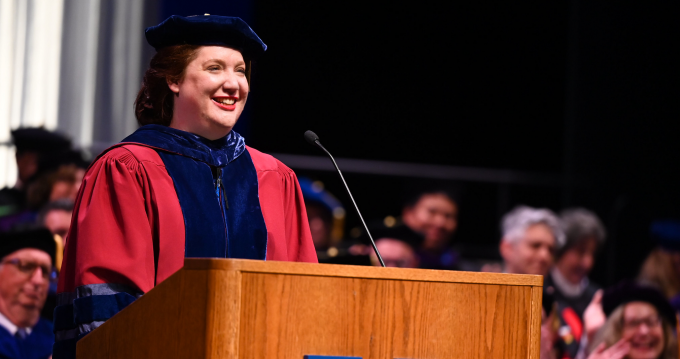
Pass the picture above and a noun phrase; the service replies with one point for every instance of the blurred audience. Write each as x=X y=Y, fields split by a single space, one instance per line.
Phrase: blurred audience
x=395 y=253
x=433 y=214
x=395 y=246
x=631 y=321
x=530 y=239
x=32 y=145
x=326 y=217
x=325 y=213
x=48 y=170
x=56 y=216
x=661 y=269
x=25 y=269
x=59 y=177
x=568 y=280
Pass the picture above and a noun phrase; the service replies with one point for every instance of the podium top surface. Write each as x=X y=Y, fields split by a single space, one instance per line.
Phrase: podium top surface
x=335 y=270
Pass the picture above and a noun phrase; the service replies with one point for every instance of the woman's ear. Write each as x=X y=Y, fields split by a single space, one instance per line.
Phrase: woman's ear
x=174 y=86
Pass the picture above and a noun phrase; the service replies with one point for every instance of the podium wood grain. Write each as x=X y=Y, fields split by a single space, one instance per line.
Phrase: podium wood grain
x=252 y=309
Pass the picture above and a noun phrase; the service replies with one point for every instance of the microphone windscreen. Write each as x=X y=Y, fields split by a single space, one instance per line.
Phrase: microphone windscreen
x=311 y=137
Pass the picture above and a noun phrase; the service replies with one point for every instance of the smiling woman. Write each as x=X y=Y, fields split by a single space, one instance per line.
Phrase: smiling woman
x=183 y=185
x=210 y=97
x=639 y=325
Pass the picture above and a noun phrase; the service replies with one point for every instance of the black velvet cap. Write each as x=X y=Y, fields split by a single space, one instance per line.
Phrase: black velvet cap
x=39 y=140
x=40 y=239
x=206 y=30
x=627 y=292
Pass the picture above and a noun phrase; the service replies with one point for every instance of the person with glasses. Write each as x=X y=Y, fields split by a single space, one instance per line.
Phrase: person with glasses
x=25 y=267
x=637 y=322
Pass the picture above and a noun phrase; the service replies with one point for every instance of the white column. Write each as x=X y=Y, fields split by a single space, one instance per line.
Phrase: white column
x=43 y=54
x=79 y=70
x=19 y=52
x=7 y=43
x=30 y=43
x=128 y=33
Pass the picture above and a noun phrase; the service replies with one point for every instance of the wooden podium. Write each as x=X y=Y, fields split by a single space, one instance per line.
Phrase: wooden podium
x=227 y=308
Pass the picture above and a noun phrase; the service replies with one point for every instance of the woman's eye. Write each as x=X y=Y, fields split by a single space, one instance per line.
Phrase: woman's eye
x=213 y=68
x=241 y=70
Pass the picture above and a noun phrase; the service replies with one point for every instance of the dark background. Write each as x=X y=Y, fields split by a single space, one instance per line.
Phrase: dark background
x=584 y=90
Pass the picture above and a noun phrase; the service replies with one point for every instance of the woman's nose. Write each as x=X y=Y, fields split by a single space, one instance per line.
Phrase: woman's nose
x=643 y=328
x=231 y=84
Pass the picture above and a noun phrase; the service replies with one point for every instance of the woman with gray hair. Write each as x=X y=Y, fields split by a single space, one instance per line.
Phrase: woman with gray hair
x=585 y=235
x=530 y=238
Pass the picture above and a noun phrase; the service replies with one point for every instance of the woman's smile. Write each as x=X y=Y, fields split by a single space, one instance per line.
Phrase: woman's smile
x=227 y=103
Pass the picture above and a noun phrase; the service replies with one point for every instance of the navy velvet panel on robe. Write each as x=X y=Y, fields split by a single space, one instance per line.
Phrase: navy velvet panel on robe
x=206 y=234
x=247 y=230
x=231 y=226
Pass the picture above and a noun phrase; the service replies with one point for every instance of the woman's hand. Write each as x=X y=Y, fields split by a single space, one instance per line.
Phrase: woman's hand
x=593 y=316
x=616 y=351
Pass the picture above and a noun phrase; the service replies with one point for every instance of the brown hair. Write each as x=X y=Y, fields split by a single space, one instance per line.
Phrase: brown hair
x=154 y=103
x=39 y=191
x=659 y=270
x=612 y=331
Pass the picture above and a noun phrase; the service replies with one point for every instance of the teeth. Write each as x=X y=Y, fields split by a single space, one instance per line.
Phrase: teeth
x=225 y=101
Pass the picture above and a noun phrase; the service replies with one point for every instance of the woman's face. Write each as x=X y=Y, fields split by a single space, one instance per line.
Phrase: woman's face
x=643 y=328
x=211 y=96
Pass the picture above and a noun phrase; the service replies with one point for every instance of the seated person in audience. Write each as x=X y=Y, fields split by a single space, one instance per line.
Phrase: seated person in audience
x=631 y=321
x=325 y=214
x=25 y=268
x=568 y=279
x=33 y=145
x=433 y=214
x=395 y=253
x=530 y=238
x=59 y=177
x=661 y=269
x=56 y=217
x=326 y=217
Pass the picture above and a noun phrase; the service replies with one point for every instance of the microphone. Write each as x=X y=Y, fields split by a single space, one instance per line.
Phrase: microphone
x=313 y=140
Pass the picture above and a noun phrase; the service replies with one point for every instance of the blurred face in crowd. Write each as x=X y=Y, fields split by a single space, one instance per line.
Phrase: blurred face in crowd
x=577 y=261
x=532 y=253
x=63 y=189
x=58 y=222
x=395 y=253
x=674 y=257
x=643 y=328
x=27 y=165
x=24 y=280
x=320 y=225
x=435 y=216
x=211 y=96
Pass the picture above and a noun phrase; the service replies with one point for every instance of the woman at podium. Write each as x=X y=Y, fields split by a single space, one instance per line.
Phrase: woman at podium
x=183 y=185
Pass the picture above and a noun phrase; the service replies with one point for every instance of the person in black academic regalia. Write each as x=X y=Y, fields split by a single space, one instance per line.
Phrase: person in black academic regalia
x=25 y=266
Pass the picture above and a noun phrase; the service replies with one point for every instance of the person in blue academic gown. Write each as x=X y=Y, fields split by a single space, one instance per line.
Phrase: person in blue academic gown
x=25 y=266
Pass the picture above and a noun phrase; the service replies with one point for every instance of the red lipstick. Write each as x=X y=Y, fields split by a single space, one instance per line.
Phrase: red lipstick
x=219 y=102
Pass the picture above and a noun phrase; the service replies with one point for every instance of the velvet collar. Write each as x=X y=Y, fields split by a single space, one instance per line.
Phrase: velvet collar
x=216 y=153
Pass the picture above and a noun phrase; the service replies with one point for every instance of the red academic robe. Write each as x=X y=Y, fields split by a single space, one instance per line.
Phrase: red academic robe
x=128 y=234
